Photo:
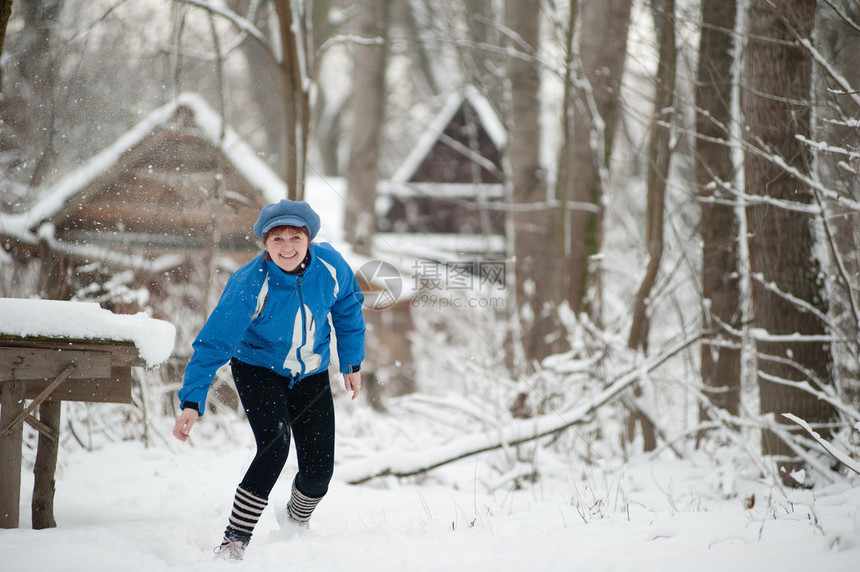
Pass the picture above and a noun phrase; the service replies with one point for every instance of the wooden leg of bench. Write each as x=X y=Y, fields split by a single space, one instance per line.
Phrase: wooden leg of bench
x=11 y=406
x=46 y=466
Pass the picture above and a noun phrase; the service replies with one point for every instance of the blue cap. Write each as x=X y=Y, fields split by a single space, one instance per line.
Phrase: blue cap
x=287 y=213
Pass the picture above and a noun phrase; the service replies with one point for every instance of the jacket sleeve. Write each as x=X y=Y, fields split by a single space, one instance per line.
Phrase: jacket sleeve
x=348 y=320
x=218 y=339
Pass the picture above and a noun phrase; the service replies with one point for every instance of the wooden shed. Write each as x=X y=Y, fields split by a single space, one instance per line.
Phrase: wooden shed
x=451 y=183
x=171 y=199
x=170 y=184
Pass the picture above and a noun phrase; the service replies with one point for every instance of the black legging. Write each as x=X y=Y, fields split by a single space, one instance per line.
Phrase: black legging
x=273 y=409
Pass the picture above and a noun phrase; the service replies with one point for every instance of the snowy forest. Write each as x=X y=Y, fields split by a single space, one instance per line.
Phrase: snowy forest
x=609 y=251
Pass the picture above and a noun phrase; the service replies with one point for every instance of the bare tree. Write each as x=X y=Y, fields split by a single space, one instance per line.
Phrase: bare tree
x=566 y=175
x=292 y=28
x=484 y=62
x=264 y=77
x=715 y=171
x=31 y=110
x=370 y=56
x=5 y=13
x=368 y=117
x=266 y=83
x=603 y=50
x=837 y=85
x=659 y=156
x=327 y=111
x=788 y=297
x=292 y=58
x=537 y=267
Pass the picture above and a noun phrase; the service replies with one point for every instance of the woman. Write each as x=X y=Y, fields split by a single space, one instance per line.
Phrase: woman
x=272 y=325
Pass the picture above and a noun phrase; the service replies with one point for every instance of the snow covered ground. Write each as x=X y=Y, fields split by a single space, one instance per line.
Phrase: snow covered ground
x=127 y=507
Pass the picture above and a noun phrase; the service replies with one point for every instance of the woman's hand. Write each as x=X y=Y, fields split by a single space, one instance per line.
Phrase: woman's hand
x=352 y=382
x=184 y=422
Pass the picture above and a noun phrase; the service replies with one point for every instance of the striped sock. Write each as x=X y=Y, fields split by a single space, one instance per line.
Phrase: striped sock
x=301 y=505
x=247 y=509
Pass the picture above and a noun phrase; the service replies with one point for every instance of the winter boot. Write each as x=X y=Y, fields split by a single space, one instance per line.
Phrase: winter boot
x=232 y=549
x=247 y=509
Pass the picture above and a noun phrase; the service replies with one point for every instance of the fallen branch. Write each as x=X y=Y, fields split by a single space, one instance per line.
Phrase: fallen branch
x=840 y=456
x=399 y=464
x=800 y=449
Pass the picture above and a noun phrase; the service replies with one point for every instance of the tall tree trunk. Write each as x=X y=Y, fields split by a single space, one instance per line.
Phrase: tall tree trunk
x=721 y=363
x=362 y=177
x=418 y=22
x=5 y=12
x=368 y=117
x=327 y=113
x=788 y=298
x=603 y=50
x=486 y=64
x=659 y=155
x=36 y=67
x=266 y=84
x=566 y=175
x=536 y=267
x=297 y=103
x=838 y=83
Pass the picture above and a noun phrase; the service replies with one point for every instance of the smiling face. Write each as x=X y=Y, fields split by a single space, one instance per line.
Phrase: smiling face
x=287 y=246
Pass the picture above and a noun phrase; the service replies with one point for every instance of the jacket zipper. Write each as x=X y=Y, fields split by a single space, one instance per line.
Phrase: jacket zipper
x=296 y=377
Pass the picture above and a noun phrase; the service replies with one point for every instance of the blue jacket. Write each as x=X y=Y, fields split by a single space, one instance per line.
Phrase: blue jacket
x=280 y=321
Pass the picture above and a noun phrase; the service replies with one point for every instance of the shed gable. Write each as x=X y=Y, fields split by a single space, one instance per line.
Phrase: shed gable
x=451 y=183
x=452 y=158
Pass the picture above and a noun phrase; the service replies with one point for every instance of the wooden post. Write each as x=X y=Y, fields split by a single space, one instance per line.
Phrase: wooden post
x=46 y=465
x=12 y=404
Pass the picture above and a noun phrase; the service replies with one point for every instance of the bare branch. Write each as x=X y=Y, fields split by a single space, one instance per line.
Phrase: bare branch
x=515 y=433
x=243 y=24
x=840 y=456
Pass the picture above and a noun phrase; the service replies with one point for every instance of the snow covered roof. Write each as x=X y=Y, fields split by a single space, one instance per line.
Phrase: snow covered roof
x=486 y=115
x=242 y=157
x=27 y=318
